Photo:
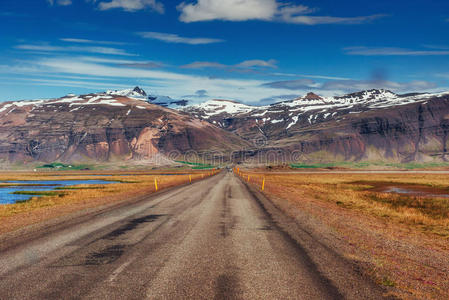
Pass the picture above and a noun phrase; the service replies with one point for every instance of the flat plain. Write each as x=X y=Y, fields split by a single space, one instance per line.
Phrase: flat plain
x=304 y=235
x=67 y=200
x=394 y=225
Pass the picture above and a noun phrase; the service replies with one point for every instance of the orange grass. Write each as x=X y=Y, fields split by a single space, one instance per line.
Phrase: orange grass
x=401 y=241
x=38 y=209
x=430 y=214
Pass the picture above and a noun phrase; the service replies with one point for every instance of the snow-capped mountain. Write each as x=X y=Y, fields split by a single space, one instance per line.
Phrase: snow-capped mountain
x=140 y=94
x=124 y=124
x=136 y=93
x=374 y=124
x=220 y=109
x=167 y=101
x=106 y=126
x=307 y=110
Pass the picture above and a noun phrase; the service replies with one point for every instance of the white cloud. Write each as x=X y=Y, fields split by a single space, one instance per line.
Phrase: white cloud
x=132 y=5
x=265 y=10
x=64 y=2
x=230 y=10
x=60 y=2
x=443 y=75
x=174 y=38
x=310 y=76
x=123 y=62
x=247 y=64
x=436 y=47
x=300 y=84
x=315 y=20
x=66 y=83
x=102 y=73
x=49 y=48
x=345 y=86
x=258 y=63
x=172 y=84
x=203 y=64
x=358 y=85
x=390 y=51
x=86 y=41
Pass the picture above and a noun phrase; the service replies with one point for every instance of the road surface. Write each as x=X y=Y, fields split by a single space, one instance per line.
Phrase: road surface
x=213 y=239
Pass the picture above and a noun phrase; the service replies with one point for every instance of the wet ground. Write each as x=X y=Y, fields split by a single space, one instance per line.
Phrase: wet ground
x=406 y=189
x=7 y=195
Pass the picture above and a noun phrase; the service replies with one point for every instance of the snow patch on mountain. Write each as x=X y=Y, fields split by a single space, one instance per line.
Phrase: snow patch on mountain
x=110 y=98
x=136 y=93
x=312 y=106
x=216 y=107
x=294 y=121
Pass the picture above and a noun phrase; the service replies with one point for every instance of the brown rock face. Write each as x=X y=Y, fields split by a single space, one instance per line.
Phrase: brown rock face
x=312 y=96
x=374 y=125
x=102 y=128
x=370 y=125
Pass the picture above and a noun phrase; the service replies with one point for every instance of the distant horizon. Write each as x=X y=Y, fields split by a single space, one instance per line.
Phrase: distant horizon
x=229 y=100
x=255 y=52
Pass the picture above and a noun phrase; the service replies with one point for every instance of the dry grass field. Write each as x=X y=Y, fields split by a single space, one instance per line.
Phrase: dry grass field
x=402 y=240
x=66 y=200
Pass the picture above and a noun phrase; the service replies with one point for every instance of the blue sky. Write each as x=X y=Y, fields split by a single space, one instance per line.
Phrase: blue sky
x=255 y=51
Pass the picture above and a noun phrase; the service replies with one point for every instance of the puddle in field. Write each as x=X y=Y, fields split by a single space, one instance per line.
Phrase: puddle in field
x=406 y=189
x=7 y=196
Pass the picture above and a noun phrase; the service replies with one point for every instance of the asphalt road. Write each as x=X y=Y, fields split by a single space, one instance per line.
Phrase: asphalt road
x=213 y=239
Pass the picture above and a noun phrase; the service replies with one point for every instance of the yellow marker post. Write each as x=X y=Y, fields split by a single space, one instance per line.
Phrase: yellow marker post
x=249 y=178
x=263 y=184
x=155 y=184
x=190 y=178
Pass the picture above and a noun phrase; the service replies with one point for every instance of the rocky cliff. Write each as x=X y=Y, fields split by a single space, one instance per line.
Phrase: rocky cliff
x=103 y=127
x=370 y=125
x=374 y=125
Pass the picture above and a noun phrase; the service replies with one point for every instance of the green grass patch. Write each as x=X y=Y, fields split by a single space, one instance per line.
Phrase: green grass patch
x=63 y=167
x=196 y=166
x=388 y=282
x=414 y=165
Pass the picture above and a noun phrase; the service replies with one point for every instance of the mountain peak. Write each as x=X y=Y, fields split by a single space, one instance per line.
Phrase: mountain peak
x=379 y=91
x=312 y=96
x=137 y=92
x=372 y=94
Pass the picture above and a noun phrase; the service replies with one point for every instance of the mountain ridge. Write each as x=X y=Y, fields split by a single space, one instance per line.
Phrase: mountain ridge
x=103 y=127
x=367 y=125
x=125 y=125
